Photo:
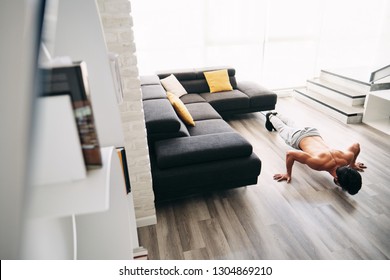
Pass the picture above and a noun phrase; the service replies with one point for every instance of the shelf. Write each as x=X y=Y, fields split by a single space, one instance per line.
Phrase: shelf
x=84 y=219
x=107 y=235
x=56 y=151
x=77 y=197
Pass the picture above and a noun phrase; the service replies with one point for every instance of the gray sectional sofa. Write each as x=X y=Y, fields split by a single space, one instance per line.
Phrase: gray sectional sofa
x=210 y=156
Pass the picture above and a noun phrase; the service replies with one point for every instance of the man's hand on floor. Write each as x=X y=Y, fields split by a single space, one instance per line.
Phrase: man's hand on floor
x=282 y=177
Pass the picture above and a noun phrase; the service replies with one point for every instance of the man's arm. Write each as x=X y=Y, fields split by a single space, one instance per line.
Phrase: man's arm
x=355 y=149
x=291 y=157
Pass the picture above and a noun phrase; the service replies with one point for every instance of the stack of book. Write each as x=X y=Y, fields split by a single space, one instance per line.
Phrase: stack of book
x=122 y=157
x=72 y=79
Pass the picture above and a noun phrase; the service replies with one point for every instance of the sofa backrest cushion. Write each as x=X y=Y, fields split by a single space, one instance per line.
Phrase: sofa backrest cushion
x=149 y=80
x=194 y=81
x=153 y=137
x=160 y=117
x=153 y=92
x=196 y=86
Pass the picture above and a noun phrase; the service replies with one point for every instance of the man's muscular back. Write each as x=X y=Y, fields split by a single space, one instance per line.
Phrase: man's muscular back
x=322 y=158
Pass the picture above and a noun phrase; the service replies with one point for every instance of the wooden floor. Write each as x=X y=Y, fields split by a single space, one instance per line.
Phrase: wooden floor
x=309 y=218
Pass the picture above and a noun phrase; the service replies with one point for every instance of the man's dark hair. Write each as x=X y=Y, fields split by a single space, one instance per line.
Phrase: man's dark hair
x=349 y=179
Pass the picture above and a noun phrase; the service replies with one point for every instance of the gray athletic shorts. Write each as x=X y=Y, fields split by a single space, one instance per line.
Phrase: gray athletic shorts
x=302 y=133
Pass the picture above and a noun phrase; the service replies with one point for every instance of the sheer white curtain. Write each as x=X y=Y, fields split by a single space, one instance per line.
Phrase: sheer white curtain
x=168 y=34
x=185 y=34
x=291 y=42
x=278 y=43
x=351 y=32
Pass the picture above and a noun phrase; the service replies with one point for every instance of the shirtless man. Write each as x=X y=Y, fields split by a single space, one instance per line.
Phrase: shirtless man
x=312 y=151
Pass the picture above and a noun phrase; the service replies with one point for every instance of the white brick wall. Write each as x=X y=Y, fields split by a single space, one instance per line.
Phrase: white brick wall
x=117 y=25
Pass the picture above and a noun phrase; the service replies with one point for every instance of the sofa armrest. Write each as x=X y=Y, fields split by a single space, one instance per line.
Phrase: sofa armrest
x=200 y=149
x=259 y=96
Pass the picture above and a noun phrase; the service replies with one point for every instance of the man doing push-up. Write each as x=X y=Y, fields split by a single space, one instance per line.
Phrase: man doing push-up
x=310 y=149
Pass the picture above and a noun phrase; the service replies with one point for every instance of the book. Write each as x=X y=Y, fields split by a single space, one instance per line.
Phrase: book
x=140 y=253
x=72 y=79
x=122 y=157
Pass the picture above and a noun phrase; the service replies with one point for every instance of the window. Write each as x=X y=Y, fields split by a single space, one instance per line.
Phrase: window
x=278 y=43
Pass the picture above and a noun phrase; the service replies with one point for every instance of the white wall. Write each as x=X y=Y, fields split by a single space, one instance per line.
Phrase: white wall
x=382 y=53
x=17 y=29
x=350 y=32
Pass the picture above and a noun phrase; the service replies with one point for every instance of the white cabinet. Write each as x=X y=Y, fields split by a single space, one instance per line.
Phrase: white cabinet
x=377 y=110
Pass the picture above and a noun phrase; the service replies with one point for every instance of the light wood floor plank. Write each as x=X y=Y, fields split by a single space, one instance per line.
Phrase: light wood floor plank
x=198 y=254
x=216 y=244
x=188 y=227
x=168 y=238
x=232 y=229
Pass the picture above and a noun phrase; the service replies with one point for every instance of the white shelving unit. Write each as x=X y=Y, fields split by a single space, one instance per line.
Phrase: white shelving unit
x=87 y=215
x=87 y=218
x=377 y=110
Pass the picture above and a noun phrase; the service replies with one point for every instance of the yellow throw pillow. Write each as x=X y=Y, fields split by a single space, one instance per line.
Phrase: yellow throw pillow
x=180 y=109
x=218 y=80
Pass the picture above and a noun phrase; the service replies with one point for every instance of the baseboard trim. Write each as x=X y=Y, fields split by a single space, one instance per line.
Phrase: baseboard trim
x=284 y=92
x=146 y=221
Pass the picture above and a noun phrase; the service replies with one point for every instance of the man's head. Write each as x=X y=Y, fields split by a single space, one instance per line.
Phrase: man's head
x=348 y=179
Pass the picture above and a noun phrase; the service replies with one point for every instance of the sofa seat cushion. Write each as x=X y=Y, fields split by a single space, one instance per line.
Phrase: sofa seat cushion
x=160 y=117
x=192 y=98
x=213 y=126
x=227 y=100
x=200 y=149
x=202 y=111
